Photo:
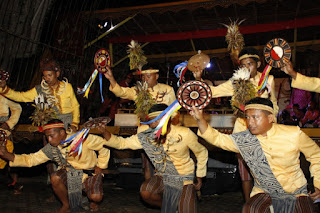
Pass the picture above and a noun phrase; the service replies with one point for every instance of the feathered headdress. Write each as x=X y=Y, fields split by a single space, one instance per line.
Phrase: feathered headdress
x=143 y=101
x=43 y=112
x=243 y=89
x=234 y=39
x=136 y=56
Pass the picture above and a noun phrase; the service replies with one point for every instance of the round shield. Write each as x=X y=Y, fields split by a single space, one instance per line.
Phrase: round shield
x=95 y=122
x=194 y=93
x=4 y=75
x=276 y=52
x=102 y=60
x=3 y=137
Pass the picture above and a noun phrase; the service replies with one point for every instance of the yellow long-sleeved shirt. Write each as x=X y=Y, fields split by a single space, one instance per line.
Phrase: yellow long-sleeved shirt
x=161 y=93
x=306 y=83
x=226 y=89
x=15 y=108
x=177 y=145
x=282 y=147
x=87 y=160
x=67 y=101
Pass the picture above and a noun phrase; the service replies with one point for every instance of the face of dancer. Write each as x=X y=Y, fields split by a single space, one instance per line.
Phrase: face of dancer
x=51 y=77
x=151 y=79
x=55 y=136
x=251 y=65
x=258 y=121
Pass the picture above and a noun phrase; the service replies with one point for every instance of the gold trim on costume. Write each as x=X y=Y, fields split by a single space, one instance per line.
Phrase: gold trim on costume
x=53 y=126
x=259 y=106
x=145 y=71
x=248 y=56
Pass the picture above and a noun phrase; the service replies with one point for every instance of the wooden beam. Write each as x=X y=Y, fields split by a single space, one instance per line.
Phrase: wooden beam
x=251 y=29
x=145 y=7
x=225 y=50
x=107 y=32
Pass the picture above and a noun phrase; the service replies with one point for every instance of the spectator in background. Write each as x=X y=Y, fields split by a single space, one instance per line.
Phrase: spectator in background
x=311 y=115
x=296 y=113
x=300 y=97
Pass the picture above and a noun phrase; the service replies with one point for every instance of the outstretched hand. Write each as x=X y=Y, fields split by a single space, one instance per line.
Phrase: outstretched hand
x=197 y=186
x=109 y=75
x=196 y=113
x=288 y=69
x=103 y=129
x=197 y=75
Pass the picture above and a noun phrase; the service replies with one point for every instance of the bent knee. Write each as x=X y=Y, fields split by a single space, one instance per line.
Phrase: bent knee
x=146 y=195
x=55 y=179
x=96 y=197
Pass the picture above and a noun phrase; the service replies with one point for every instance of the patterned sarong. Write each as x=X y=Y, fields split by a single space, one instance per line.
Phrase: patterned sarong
x=74 y=176
x=173 y=182
x=251 y=151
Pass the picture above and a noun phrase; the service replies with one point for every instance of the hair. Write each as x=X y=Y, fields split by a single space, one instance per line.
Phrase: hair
x=249 y=51
x=157 y=108
x=263 y=101
x=49 y=65
x=53 y=121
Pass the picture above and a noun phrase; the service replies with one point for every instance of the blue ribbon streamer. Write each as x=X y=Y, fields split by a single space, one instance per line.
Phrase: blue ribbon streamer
x=100 y=81
x=162 y=114
x=88 y=82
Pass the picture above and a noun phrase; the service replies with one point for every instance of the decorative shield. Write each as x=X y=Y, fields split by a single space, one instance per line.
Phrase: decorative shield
x=276 y=52
x=94 y=123
x=4 y=75
x=102 y=60
x=3 y=137
x=194 y=93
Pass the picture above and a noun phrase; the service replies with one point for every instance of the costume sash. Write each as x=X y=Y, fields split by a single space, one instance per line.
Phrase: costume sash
x=4 y=118
x=74 y=176
x=173 y=182
x=251 y=151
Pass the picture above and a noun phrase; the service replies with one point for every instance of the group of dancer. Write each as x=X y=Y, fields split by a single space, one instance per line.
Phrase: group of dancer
x=269 y=151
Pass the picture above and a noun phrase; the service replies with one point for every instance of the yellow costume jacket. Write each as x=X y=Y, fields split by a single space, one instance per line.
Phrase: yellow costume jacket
x=161 y=93
x=282 y=147
x=67 y=101
x=226 y=89
x=177 y=145
x=15 y=108
x=306 y=83
x=87 y=160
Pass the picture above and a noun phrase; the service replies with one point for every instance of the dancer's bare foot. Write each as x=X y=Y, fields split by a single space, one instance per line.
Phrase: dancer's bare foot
x=63 y=209
x=94 y=207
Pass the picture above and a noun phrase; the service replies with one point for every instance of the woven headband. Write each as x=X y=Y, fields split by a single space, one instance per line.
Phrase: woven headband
x=248 y=56
x=145 y=71
x=259 y=106
x=53 y=126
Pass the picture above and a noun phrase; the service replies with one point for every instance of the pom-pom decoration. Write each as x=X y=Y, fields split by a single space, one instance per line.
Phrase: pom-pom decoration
x=136 y=56
x=244 y=90
x=234 y=39
x=43 y=112
x=194 y=93
x=144 y=100
x=198 y=62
